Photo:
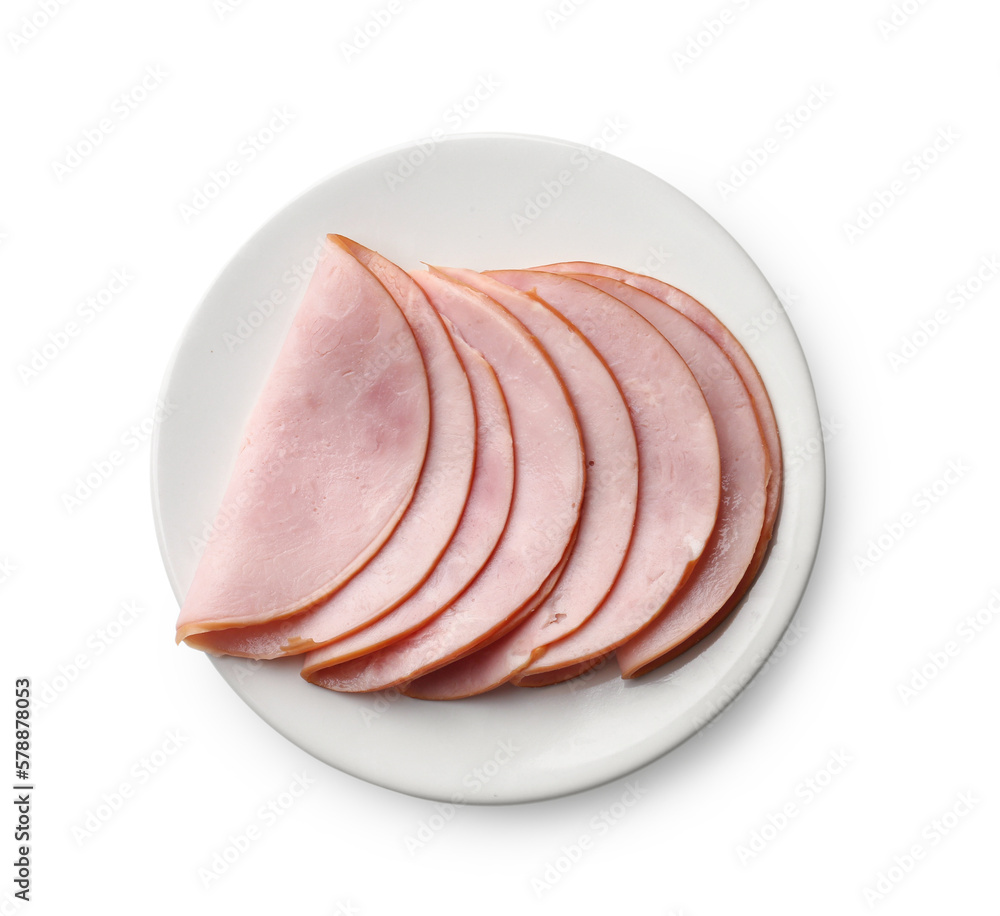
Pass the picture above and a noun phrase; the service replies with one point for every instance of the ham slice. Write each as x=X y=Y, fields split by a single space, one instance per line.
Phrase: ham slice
x=548 y=489
x=710 y=324
x=745 y=474
x=609 y=503
x=679 y=469
x=331 y=457
x=483 y=521
x=408 y=556
x=559 y=675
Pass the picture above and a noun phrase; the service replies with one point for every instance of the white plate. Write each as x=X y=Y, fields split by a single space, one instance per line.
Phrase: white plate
x=488 y=201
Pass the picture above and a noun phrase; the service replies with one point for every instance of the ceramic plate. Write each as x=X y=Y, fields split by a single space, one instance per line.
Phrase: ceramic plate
x=488 y=201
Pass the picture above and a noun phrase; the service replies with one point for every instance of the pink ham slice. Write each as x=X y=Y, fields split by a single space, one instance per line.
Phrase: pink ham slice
x=745 y=473
x=679 y=471
x=710 y=324
x=332 y=454
x=478 y=532
x=423 y=533
x=609 y=503
x=559 y=675
x=548 y=489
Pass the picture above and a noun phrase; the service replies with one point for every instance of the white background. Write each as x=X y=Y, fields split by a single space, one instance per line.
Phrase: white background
x=907 y=820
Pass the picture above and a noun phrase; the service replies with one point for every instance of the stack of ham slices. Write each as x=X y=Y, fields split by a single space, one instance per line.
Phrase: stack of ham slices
x=455 y=480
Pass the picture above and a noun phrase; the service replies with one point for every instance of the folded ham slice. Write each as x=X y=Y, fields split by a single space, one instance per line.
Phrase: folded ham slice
x=408 y=556
x=679 y=470
x=609 y=503
x=483 y=521
x=454 y=480
x=745 y=474
x=548 y=489
x=330 y=460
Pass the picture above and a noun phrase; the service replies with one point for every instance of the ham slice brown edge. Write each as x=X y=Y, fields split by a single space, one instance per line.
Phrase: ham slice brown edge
x=548 y=490
x=707 y=320
x=679 y=466
x=561 y=675
x=478 y=648
x=483 y=521
x=408 y=556
x=297 y=526
x=609 y=502
x=745 y=474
